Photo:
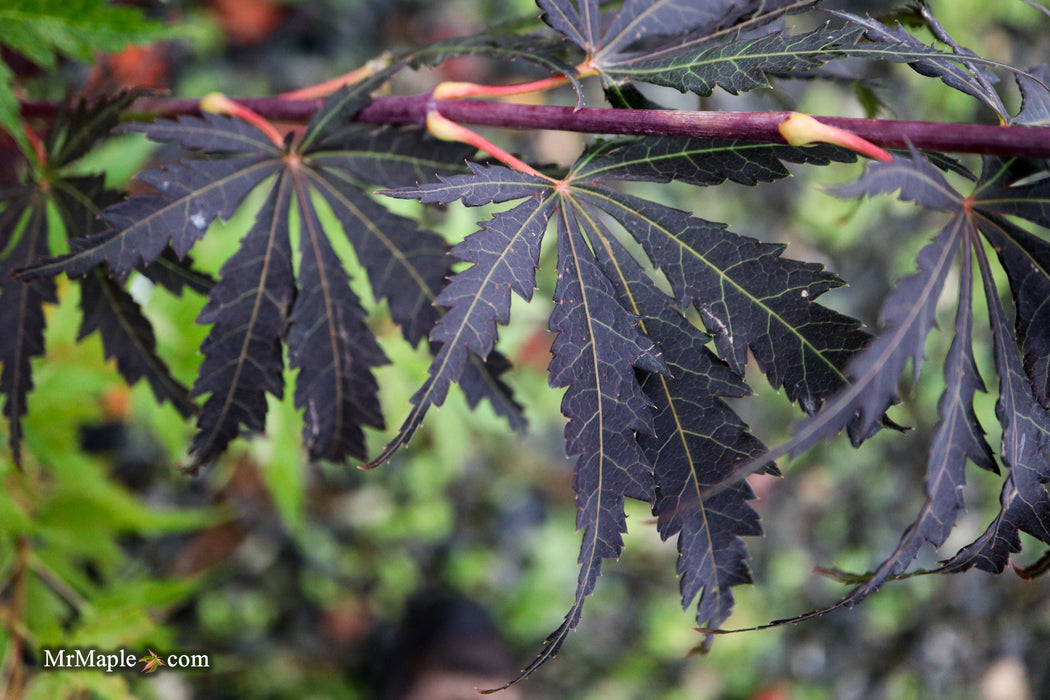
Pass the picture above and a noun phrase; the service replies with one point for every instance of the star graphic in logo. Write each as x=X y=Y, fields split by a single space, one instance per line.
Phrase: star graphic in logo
x=151 y=662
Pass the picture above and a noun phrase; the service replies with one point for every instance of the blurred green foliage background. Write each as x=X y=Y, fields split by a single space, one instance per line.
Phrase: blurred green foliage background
x=296 y=577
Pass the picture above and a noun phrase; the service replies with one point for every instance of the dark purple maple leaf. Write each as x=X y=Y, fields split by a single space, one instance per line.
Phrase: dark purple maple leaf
x=128 y=338
x=1025 y=502
x=960 y=69
x=21 y=304
x=696 y=441
x=958 y=437
x=261 y=303
x=1026 y=259
x=505 y=253
x=332 y=347
x=698 y=161
x=908 y=315
x=595 y=352
x=25 y=230
x=248 y=313
x=749 y=296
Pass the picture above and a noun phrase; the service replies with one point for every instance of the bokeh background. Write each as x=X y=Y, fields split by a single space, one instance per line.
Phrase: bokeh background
x=456 y=559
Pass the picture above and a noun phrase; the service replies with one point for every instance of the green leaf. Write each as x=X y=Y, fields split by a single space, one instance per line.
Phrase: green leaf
x=61 y=685
x=44 y=30
x=10 y=110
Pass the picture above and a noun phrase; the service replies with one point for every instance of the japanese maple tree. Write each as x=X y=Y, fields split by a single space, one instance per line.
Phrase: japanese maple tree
x=656 y=310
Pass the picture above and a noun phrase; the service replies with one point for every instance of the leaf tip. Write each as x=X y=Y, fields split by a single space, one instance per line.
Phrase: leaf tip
x=387 y=452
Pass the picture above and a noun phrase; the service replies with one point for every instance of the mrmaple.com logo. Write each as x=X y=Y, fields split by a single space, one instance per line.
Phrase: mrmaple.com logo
x=120 y=660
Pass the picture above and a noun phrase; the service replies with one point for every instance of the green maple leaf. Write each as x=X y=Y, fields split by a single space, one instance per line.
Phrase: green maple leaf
x=152 y=661
x=45 y=30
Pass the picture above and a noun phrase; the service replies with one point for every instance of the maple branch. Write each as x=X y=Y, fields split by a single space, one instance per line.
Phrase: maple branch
x=752 y=126
x=12 y=675
x=1023 y=141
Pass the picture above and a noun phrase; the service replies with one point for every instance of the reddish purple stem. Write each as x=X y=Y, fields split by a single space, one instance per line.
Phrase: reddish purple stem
x=1031 y=142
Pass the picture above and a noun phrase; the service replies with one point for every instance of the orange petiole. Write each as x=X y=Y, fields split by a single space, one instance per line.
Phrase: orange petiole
x=447 y=130
x=217 y=103
x=36 y=143
x=454 y=90
x=329 y=86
